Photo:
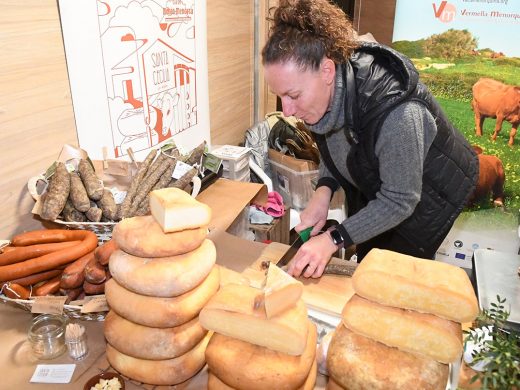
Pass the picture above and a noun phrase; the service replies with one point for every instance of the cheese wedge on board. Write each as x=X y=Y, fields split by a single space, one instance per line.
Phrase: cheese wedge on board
x=281 y=291
x=233 y=311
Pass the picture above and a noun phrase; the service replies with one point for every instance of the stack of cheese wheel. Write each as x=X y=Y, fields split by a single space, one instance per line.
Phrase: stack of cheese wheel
x=402 y=326
x=162 y=276
x=263 y=338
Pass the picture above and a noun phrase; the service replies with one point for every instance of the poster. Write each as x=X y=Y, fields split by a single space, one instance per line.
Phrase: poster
x=454 y=44
x=138 y=74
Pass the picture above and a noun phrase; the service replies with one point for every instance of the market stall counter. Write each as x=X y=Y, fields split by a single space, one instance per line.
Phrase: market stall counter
x=238 y=259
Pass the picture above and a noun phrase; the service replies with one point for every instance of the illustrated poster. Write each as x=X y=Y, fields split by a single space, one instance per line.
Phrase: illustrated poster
x=468 y=55
x=138 y=73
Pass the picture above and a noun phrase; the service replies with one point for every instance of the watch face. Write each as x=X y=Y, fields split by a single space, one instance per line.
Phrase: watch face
x=336 y=237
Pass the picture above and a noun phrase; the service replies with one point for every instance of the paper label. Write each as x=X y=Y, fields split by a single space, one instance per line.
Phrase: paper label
x=211 y=162
x=95 y=303
x=119 y=196
x=48 y=304
x=180 y=169
x=53 y=373
x=169 y=145
x=50 y=171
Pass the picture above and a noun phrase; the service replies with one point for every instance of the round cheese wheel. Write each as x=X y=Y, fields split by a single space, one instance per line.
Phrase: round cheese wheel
x=214 y=383
x=163 y=276
x=143 y=236
x=160 y=372
x=356 y=362
x=333 y=385
x=243 y=365
x=161 y=312
x=144 y=342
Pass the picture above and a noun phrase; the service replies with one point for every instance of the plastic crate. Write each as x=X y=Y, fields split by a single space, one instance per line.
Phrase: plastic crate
x=295 y=187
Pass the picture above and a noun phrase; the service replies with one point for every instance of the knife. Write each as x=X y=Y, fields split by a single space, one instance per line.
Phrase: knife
x=303 y=236
x=345 y=267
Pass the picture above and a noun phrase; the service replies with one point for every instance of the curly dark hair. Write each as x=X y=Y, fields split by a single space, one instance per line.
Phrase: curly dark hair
x=305 y=31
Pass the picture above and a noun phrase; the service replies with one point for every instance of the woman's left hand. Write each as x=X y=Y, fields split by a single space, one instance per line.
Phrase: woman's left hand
x=314 y=254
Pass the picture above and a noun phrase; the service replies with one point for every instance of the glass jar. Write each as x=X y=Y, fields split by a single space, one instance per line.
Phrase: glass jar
x=47 y=335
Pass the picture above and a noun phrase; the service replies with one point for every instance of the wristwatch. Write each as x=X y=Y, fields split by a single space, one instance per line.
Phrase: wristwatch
x=337 y=239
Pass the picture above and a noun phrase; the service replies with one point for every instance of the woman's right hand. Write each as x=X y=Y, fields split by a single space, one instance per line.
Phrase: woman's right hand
x=315 y=214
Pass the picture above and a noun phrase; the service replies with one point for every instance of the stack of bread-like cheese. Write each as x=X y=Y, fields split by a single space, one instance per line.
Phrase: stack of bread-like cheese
x=162 y=276
x=263 y=338
x=402 y=327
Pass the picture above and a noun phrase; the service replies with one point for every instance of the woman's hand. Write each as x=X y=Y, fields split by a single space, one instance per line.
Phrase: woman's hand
x=315 y=214
x=314 y=254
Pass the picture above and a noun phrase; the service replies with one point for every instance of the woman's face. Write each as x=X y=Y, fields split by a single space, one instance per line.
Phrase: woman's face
x=304 y=94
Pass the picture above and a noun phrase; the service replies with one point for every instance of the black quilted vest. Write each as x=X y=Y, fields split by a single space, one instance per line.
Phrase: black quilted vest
x=377 y=79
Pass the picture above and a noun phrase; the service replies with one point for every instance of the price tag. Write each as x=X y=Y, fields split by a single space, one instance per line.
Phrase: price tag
x=169 y=145
x=48 y=304
x=53 y=373
x=180 y=169
x=95 y=303
x=50 y=171
x=211 y=162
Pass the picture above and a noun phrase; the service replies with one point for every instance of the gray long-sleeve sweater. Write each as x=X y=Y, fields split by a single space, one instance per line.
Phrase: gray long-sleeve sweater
x=404 y=139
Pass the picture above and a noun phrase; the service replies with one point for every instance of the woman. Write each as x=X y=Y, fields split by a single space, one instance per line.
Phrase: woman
x=406 y=171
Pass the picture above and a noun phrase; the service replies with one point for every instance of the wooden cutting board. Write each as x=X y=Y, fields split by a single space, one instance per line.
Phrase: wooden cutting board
x=327 y=294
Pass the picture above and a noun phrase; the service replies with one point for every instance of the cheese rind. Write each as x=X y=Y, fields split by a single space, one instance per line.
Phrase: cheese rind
x=214 y=383
x=357 y=362
x=424 y=334
x=243 y=365
x=398 y=280
x=163 y=276
x=232 y=312
x=143 y=236
x=175 y=210
x=161 y=312
x=160 y=372
x=144 y=342
x=281 y=291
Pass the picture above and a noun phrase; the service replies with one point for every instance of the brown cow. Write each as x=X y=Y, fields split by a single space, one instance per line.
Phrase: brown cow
x=491 y=178
x=493 y=99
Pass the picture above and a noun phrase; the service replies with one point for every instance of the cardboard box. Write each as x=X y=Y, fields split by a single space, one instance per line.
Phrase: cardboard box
x=292 y=178
x=487 y=229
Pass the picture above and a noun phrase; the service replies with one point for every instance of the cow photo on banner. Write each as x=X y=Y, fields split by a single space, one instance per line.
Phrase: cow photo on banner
x=467 y=54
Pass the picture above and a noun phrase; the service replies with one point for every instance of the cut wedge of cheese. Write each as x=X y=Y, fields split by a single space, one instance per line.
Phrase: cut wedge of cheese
x=175 y=210
x=232 y=312
x=281 y=291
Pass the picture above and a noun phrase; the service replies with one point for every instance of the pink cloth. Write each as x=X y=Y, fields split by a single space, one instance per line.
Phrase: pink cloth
x=274 y=206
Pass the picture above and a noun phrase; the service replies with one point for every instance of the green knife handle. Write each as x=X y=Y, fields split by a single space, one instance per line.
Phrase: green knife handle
x=306 y=234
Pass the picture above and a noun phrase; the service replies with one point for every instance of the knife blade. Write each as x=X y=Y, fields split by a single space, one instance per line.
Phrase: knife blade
x=300 y=239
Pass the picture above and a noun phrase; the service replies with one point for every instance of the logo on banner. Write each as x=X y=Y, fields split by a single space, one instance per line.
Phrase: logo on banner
x=445 y=12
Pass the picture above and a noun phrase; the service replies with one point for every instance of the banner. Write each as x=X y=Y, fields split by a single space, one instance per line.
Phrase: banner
x=138 y=74
x=467 y=53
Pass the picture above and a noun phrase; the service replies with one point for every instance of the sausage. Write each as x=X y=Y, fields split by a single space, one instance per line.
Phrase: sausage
x=74 y=274
x=95 y=273
x=104 y=251
x=49 y=287
x=15 y=291
x=71 y=293
x=52 y=260
x=93 y=289
x=45 y=236
x=7 y=248
x=37 y=278
x=30 y=251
